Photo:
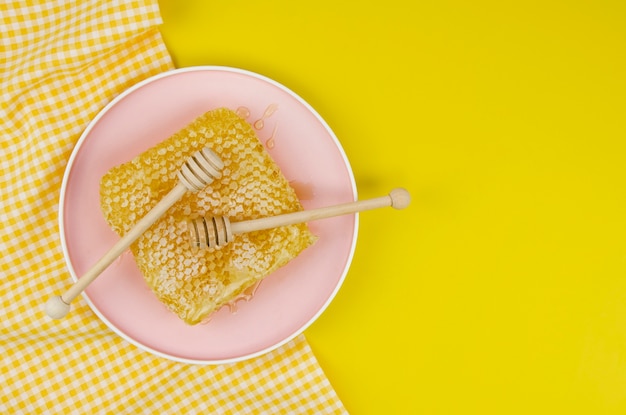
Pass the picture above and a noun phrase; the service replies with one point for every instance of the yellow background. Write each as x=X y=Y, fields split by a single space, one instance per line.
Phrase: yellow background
x=502 y=289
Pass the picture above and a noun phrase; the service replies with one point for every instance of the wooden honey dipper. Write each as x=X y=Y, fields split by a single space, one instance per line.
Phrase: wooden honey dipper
x=202 y=168
x=214 y=231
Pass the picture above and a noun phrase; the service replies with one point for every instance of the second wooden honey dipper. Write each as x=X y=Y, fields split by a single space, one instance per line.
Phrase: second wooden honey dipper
x=214 y=231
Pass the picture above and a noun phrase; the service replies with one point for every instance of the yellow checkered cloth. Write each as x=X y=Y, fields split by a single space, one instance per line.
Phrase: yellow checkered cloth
x=61 y=63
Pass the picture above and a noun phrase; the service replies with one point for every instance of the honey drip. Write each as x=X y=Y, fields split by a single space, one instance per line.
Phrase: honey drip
x=243 y=112
x=246 y=296
x=260 y=123
x=271 y=142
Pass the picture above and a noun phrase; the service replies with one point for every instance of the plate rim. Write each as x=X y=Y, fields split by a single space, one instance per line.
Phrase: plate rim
x=65 y=182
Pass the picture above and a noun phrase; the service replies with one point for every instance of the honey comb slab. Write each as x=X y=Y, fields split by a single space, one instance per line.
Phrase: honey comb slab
x=195 y=283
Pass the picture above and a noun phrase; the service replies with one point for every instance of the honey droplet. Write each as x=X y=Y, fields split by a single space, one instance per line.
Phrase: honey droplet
x=271 y=142
x=271 y=109
x=246 y=295
x=243 y=112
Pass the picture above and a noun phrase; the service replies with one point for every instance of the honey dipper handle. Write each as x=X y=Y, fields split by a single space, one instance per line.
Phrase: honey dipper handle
x=58 y=307
x=398 y=198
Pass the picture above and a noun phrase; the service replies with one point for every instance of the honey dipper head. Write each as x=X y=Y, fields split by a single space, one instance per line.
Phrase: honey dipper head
x=200 y=169
x=209 y=232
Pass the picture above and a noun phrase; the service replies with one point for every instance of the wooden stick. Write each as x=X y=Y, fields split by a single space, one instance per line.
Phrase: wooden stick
x=217 y=231
x=398 y=198
x=201 y=169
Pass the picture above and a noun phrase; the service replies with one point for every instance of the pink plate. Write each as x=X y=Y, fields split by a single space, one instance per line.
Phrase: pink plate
x=286 y=302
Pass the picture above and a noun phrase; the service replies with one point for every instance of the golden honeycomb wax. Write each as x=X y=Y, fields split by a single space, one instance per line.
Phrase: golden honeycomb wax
x=194 y=283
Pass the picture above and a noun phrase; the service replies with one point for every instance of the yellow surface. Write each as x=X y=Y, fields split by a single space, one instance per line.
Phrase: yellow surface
x=502 y=289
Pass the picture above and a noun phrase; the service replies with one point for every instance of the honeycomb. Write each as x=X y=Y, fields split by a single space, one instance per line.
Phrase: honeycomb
x=191 y=282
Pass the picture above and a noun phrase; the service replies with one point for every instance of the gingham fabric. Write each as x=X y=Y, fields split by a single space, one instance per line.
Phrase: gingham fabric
x=61 y=63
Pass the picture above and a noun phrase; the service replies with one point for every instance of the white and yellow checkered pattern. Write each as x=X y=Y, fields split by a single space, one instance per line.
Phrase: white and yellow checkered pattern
x=61 y=63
